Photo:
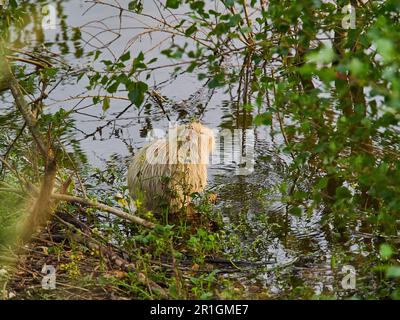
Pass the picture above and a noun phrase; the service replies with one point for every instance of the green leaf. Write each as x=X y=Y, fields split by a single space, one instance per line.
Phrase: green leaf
x=192 y=67
x=358 y=68
x=385 y=251
x=263 y=119
x=234 y=20
x=173 y=4
x=246 y=29
x=192 y=29
x=214 y=84
x=343 y=193
x=51 y=72
x=107 y=62
x=197 y=6
x=97 y=55
x=136 y=6
x=137 y=91
x=126 y=56
x=324 y=55
x=13 y=4
x=221 y=28
x=138 y=63
x=217 y=81
x=295 y=211
x=106 y=103
x=386 y=49
x=393 y=272
x=96 y=99
x=322 y=183
x=229 y=3
x=113 y=88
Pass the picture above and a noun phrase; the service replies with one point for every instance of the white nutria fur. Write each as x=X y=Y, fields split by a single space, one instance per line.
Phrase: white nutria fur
x=168 y=170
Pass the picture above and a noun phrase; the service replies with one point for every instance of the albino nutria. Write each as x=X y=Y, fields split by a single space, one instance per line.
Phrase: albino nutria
x=168 y=170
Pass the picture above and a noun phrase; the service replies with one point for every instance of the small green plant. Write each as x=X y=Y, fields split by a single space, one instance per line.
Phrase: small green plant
x=202 y=244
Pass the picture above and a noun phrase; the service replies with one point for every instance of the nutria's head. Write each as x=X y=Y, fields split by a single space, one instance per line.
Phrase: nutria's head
x=206 y=132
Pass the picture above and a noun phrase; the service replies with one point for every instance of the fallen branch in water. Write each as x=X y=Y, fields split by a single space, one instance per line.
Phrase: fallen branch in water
x=89 y=203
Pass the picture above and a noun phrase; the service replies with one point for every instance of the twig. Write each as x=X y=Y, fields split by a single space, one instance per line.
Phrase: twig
x=30 y=61
x=119 y=213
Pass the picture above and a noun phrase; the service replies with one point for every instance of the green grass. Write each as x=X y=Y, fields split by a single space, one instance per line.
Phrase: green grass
x=12 y=208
